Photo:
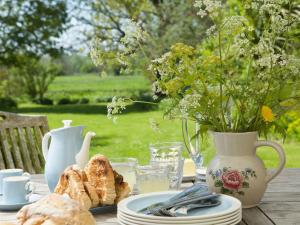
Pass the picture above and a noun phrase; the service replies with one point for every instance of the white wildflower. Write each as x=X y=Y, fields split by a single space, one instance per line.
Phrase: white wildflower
x=211 y=30
x=133 y=34
x=96 y=52
x=251 y=28
x=116 y=106
x=210 y=7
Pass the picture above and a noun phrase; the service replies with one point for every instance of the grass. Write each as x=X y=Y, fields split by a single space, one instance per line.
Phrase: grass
x=96 y=88
x=132 y=134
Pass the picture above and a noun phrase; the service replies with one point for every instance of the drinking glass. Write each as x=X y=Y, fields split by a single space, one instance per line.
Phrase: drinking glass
x=152 y=179
x=166 y=151
x=194 y=149
x=127 y=168
x=169 y=154
x=175 y=171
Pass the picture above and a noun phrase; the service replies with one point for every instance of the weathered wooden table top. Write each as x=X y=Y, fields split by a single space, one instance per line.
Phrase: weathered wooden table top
x=280 y=205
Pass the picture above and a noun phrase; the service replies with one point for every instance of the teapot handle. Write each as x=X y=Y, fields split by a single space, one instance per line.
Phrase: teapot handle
x=45 y=143
x=281 y=154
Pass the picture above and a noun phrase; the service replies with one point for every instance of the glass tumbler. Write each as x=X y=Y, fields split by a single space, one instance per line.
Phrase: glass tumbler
x=165 y=151
x=169 y=154
x=152 y=179
x=127 y=168
x=175 y=171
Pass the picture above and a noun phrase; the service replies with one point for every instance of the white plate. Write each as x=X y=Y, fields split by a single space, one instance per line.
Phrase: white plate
x=234 y=214
x=14 y=207
x=231 y=221
x=164 y=222
x=133 y=204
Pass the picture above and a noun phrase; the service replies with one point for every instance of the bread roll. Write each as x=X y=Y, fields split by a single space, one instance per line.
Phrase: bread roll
x=92 y=193
x=122 y=188
x=101 y=177
x=55 y=209
x=71 y=183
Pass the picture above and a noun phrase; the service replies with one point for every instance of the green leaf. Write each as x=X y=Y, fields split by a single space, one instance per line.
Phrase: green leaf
x=245 y=185
x=225 y=191
x=218 y=183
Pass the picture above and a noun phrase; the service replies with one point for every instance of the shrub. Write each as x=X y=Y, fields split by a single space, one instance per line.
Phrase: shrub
x=64 y=101
x=103 y=99
x=84 y=101
x=44 y=101
x=68 y=101
x=7 y=103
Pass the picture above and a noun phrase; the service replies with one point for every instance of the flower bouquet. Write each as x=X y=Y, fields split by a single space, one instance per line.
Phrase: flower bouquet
x=238 y=82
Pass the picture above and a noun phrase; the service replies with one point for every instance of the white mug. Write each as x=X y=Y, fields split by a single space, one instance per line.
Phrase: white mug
x=9 y=173
x=17 y=189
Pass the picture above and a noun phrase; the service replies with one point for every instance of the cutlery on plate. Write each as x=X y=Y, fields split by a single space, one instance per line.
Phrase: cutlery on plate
x=183 y=210
x=195 y=189
x=164 y=210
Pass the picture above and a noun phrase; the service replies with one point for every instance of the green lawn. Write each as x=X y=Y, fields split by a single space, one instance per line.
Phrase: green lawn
x=95 y=88
x=132 y=133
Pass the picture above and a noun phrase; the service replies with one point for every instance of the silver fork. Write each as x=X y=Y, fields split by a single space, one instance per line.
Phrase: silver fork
x=161 y=211
x=183 y=211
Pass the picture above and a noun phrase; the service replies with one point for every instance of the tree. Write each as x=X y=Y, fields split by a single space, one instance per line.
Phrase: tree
x=35 y=75
x=167 y=22
x=30 y=28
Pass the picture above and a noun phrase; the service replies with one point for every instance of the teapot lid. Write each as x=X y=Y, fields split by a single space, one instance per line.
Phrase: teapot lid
x=67 y=123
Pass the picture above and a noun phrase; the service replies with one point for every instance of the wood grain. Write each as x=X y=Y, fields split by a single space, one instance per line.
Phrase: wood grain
x=9 y=162
x=20 y=141
x=15 y=149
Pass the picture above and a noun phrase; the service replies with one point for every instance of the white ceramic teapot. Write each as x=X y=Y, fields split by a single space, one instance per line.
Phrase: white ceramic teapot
x=66 y=148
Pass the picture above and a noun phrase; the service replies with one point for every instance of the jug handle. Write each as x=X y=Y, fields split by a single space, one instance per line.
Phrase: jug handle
x=271 y=175
x=45 y=144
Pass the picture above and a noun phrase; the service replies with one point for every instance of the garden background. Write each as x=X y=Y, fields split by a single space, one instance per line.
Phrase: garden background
x=45 y=69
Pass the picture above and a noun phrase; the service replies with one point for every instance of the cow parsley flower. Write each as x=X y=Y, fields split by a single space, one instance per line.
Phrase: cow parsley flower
x=116 y=106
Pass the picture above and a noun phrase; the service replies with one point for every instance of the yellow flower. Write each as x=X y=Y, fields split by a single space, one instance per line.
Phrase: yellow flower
x=173 y=86
x=267 y=114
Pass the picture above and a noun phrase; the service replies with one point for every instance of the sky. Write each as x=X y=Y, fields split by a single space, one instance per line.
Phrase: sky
x=73 y=38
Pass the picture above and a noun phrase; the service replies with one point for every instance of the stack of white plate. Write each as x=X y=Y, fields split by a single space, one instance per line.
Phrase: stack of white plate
x=228 y=212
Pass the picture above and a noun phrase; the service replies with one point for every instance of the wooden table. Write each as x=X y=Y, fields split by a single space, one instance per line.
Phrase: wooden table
x=280 y=205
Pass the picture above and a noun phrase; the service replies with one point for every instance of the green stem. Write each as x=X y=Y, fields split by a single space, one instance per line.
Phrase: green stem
x=144 y=102
x=220 y=84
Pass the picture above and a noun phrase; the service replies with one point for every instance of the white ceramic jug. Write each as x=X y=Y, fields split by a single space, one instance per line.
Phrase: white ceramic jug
x=237 y=170
x=66 y=148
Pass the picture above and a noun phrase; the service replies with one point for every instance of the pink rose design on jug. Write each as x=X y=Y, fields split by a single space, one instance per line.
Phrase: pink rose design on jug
x=232 y=180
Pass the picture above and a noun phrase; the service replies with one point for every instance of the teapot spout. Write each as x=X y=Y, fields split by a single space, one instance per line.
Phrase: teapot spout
x=82 y=157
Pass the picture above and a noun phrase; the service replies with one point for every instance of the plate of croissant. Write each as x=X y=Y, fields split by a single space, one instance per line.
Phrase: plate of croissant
x=97 y=187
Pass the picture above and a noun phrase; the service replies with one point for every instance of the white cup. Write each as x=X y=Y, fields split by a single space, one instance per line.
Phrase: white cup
x=11 y=173
x=17 y=189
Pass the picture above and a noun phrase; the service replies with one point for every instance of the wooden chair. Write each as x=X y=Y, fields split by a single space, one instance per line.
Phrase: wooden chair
x=21 y=141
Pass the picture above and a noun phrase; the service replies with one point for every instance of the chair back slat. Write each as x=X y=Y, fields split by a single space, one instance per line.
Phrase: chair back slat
x=15 y=150
x=39 y=136
x=21 y=141
x=2 y=163
x=9 y=162
x=25 y=151
x=34 y=151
